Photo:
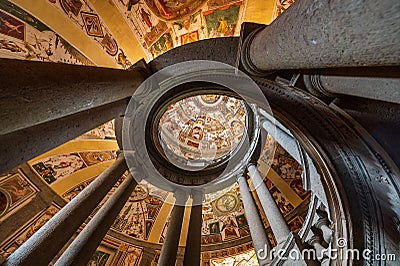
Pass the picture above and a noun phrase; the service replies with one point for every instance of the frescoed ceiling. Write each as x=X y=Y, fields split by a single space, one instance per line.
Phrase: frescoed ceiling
x=117 y=33
x=71 y=167
x=203 y=127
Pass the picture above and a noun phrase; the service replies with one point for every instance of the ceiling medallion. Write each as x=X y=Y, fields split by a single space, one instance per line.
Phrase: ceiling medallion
x=226 y=204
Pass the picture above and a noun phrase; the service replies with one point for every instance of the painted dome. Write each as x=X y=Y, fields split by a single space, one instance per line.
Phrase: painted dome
x=203 y=127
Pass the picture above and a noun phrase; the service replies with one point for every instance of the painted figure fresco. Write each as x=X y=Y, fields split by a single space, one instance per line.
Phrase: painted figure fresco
x=14 y=190
x=223 y=217
x=284 y=205
x=22 y=36
x=189 y=37
x=297 y=186
x=174 y=9
x=285 y=165
x=72 y=193
x=222 y=22
x=205 y=126
x=58 y=166
x=296 y=224
x=137 y=217
x=12 y=27
x=185 y=21
x=165 y=43
x=82 y=13
x=61 y=165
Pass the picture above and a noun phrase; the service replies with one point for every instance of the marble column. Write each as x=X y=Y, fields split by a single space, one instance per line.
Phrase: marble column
x=44 y=245
x=193 y=241
x=81 y=249
x=275 y=218
x=256 y=226
x=170 y=246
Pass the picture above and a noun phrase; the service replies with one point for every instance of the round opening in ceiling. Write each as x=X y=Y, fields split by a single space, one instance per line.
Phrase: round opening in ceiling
x=207 y=127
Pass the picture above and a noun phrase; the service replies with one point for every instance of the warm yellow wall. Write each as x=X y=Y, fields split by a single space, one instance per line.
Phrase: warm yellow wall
x=80 y=145
x=57 y=21
x=63 y=185
x=119 y=28
x=259 y=11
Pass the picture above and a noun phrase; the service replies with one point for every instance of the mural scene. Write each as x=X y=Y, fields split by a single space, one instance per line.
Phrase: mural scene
x=14 y=190
x=85 y=17
x=160 y=25
x=58 y=166
x=137 y=217
x=24 y=37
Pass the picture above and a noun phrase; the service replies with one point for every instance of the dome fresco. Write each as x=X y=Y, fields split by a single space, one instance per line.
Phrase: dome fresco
x=203 y=127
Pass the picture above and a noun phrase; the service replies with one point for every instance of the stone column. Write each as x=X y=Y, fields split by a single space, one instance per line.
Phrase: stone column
x=364 y=87
x=170 y=246
x=44 y=245
x=20 y=146
x=52 y=103
x=275 y=218
x=81 y=249
x=193 y=241
x=298 y=32
x=256 y=226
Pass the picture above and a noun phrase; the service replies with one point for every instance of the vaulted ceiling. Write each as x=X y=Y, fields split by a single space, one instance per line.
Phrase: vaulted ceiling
x=117 y=33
